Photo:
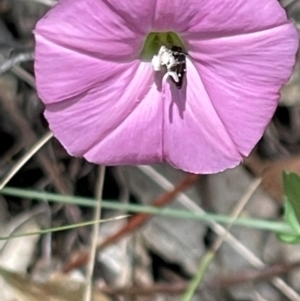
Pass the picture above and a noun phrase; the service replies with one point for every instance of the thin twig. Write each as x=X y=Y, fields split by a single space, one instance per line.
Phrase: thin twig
x=27 y=156
x=221 y=231
x=10 y=63
x=23 y=75
x=45 y=2
x=259 y=297
x=63 y=228
x=20 y=73
x=208 y=258
x=95 y=234
x=62 y=185
x=222 y=282
x=30 y=138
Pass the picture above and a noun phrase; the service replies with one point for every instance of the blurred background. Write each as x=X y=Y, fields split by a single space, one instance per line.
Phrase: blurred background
x=156 y=259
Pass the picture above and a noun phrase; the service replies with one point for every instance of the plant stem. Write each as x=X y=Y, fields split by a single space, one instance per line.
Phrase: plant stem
x=204 y=217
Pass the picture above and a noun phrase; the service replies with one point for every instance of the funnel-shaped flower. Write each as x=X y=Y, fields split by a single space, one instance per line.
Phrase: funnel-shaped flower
x=190 y=82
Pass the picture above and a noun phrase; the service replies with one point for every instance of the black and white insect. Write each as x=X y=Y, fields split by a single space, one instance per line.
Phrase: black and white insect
x=180 y=65
x=174 y=60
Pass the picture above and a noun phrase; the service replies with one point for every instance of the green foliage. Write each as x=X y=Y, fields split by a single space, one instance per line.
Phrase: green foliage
x=291 y=186
x=290 y=218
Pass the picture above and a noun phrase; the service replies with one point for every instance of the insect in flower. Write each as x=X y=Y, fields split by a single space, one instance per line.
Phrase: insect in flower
x=174 y=61
x=180 y=65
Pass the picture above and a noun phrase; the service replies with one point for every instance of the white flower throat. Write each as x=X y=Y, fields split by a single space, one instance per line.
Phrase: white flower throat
x=174 y=60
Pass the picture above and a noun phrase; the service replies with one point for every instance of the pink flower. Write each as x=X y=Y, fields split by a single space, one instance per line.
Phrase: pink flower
x=107 y=96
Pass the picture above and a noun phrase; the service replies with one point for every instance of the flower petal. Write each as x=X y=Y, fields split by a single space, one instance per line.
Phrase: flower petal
x=194 y=138
x=217 y=17
x=107 y=123
x=243 y=75
x=62 y=73
x=137 y=14
x=137 y=140
x=91 y=27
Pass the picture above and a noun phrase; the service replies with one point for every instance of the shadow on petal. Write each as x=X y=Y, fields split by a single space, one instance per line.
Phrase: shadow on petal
x=178 y=99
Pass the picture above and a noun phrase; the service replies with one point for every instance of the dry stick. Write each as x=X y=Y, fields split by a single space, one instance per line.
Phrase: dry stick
x=133 y=222
x=47 y=165
x=11 y=152
x=258 y=296
x=10 y=63
x=221 y=231
x=208 y=258
x=21 y=73
x=30 y=138
x=27 y=156
x=254 y=275
x=45 y=2
x=179 y=287
x=95 y=233
x=26 y=131
x=24 y=75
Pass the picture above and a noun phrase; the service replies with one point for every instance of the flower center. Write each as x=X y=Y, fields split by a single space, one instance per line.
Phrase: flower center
x=155 y=40
x=166 y=52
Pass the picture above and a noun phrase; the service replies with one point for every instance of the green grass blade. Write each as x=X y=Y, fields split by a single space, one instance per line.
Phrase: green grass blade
x=63 y=228
x=167 y=212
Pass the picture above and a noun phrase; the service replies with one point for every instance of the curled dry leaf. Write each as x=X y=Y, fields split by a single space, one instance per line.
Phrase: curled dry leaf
x=272 y=176
x=60 y=288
